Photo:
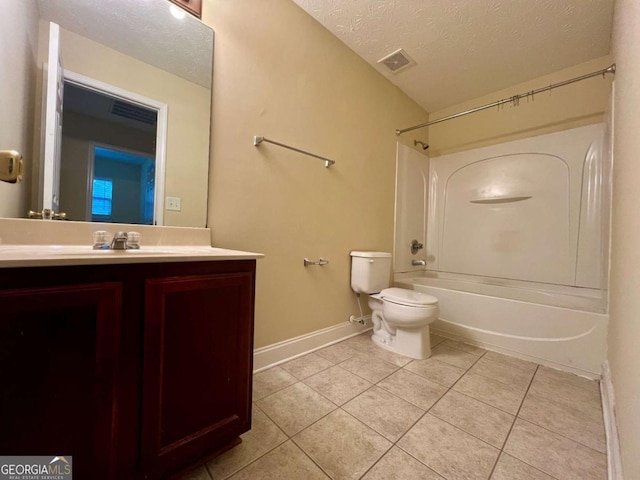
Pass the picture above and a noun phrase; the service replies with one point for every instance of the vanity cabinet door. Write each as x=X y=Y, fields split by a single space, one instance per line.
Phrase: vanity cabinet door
x=58 y=368
x=198 y=340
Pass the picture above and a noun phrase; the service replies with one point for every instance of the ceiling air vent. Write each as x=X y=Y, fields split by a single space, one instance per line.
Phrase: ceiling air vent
x=397 y=61
x=133 y=112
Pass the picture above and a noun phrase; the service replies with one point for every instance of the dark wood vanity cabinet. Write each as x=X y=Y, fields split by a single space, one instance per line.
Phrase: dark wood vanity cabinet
x=136 y=370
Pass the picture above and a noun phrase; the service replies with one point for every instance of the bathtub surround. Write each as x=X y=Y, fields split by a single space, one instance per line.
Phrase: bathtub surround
x=537 y=207
x=412 y=193
x=532 y=278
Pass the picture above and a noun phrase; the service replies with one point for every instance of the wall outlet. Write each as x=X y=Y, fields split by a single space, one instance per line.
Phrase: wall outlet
x=174 y=203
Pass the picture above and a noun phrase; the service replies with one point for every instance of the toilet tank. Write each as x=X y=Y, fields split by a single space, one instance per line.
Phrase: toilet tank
x=370 y=271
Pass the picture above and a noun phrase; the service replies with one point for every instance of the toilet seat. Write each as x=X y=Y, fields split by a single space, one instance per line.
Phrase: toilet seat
x=410 y=298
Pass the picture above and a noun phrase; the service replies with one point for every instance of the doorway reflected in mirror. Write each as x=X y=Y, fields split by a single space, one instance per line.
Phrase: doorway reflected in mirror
x=109 y=145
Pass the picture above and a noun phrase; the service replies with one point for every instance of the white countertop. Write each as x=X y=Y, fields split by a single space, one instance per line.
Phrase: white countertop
x=36 y=243
x=61 y=255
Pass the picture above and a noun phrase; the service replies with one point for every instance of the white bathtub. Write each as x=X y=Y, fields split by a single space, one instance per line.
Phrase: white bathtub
x=562 y=327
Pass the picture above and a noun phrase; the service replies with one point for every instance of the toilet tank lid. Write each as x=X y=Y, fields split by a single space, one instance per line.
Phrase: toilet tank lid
x=406 y=296
x=360 y=253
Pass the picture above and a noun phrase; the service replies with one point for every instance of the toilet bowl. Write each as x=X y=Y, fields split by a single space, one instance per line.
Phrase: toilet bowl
x=401 y=320
x=400 y=317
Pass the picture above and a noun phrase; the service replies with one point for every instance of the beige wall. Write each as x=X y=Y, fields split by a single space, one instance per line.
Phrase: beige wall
x=624 y=330
x=18 y=44
x=188 y=119
x=572 y=106
x=279 y=74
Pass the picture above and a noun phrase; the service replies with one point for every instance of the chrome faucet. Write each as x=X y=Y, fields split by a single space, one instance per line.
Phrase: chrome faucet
x=119 y=241
x=416 y=263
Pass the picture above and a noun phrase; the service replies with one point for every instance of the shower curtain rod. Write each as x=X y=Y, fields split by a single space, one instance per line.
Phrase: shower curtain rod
x=515 y=99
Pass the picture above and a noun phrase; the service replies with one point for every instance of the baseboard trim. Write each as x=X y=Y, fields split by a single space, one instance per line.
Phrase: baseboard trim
x=272 y=355
x=614 y=462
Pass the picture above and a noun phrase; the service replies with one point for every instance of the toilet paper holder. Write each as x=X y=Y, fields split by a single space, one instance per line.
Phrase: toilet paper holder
x=321 y=262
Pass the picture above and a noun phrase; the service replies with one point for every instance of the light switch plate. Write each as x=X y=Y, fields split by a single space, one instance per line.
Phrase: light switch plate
x=174 y=203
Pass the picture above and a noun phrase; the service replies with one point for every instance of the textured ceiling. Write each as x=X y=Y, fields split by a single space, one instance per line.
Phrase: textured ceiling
x=467 y=48
x=143 y=29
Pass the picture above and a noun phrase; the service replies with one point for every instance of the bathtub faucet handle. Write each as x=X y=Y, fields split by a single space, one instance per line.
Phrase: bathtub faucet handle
x=415 y=246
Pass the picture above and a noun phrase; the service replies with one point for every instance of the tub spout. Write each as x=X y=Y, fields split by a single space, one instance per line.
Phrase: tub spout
x=416 y=263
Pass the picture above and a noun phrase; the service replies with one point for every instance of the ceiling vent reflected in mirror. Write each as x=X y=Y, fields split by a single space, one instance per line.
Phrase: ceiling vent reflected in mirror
x=133 y=112
x=396 y=61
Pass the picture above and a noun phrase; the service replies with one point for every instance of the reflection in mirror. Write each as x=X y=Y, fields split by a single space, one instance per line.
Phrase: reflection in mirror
x=124 y=62
x=109 y=144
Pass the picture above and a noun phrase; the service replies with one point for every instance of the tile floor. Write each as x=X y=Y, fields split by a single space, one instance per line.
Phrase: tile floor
x=353 y=410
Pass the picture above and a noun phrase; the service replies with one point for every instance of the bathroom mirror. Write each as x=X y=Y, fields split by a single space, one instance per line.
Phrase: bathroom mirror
x=133 y=144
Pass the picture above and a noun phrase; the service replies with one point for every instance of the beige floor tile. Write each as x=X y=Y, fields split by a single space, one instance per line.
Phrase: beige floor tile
x=337 y=384
x=270 y=381
x=387 y=414
x=413 y=388
x=474 y=417
x=361 y=342
x=502 y=372
x=449 y=451
x=453 y=356
x=509 y=468
x=497 y=394
x=391 y=357
x=565 y=378
x=364 y=344
x=263 y=436
x=554 y=454
x=398 y=465
x=337 y=353
x=285 y=462
x=589 y=400
x=436 y=340
x=295 y=407
x=569 y=421
x=436 y=371
x=344 y=447
x=199 y=473
x=306 y=366
x=369 y=367
x=465 y=347
x=511 y=361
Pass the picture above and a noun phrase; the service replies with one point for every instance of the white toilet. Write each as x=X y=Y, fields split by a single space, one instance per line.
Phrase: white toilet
x=400 y=317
